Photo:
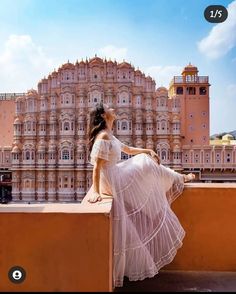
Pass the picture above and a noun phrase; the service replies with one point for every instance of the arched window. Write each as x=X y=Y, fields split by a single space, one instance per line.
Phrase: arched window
x=163 y=125
x=95 y=96
x=27 y=155
x=15 y=156
x=81 y=156
x=65 y=154
x=118 y=125
x=66 y=126
x=176 y=103
x=202 y=91
x=124 y=126
x=28 y=126
x=191 y=90
x=163 y=155
x=179 y=90
x=124 y=98
x=188 y=78
x=52 y=155
x=138 y=126
x=30 y=105
x=138 y=100
x=81 y=126
x=53 y=102
x=18 y=106
x=27 y=184
x=67 y=100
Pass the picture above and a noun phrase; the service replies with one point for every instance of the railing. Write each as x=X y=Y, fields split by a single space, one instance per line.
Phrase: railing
x=204 y=165
x=183 y=79
x=10 y=96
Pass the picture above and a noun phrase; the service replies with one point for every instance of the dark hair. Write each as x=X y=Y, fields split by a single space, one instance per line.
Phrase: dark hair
x=96 y=123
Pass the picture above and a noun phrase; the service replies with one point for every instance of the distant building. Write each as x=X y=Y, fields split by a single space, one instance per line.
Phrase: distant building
x=7 y=113
x=49 y=147
x=227 y=139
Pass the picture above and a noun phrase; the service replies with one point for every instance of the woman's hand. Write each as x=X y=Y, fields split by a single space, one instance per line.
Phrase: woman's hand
x=94 y=197
x=154 y=156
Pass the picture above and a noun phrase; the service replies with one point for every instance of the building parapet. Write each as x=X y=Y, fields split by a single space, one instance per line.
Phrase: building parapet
x=60 y=246
x=82 y=246
x=10 y=96
x=185 y=80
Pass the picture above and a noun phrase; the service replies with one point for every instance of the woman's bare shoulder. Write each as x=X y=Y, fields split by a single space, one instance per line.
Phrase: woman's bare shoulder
x=103 y=135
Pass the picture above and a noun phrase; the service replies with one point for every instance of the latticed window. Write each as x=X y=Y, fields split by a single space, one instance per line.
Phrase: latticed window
x=163 y=155
x=52 y=155
x=81 y=156
x=124 y=125
x=65 y=154
x=27 y=155
x=124 y=156
x=138 y=100
x=81 y=127
x=28 y=126
x=66 y=126
x=67 y=100
x=163 y=125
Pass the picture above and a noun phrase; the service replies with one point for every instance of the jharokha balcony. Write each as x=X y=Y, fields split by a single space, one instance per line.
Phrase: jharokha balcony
x=68 y=247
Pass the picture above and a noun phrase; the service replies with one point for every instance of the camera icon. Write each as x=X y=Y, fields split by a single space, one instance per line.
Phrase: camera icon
x=16 y=274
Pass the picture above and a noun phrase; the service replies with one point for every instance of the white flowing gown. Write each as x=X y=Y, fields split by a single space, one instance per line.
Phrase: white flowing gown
x=146 y=232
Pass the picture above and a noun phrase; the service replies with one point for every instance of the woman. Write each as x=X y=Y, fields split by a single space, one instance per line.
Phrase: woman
x=146 y=231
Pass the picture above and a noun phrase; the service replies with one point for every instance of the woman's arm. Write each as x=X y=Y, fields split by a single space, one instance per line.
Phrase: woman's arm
x=135 y=150
x=95 y=195
x=96 y=174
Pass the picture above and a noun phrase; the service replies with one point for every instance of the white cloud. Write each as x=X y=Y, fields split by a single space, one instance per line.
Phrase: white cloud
x=113 y=52
x=222 y=37
x=163 y=74
x=23 y=64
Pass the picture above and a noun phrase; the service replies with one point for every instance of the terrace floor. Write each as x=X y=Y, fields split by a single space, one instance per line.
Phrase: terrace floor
x=184 y=281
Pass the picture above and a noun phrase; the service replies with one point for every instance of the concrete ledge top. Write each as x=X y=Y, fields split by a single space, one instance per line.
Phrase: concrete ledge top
x=210 y=185
x=99 y=207
x=85 y=207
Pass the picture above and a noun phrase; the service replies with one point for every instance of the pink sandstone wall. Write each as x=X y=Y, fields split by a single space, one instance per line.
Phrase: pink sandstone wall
x=7 y=112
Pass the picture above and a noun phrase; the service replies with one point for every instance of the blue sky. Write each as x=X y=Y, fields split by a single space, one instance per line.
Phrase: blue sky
x=158 y=36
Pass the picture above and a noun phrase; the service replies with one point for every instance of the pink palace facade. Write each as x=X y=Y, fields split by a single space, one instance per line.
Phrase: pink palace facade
x=50 y=145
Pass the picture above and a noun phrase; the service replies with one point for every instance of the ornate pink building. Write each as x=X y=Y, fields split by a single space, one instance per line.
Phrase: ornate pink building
x=50 y=149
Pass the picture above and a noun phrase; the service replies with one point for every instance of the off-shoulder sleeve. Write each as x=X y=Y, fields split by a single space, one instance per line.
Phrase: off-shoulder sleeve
x=122 y=145
x=100 y=149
